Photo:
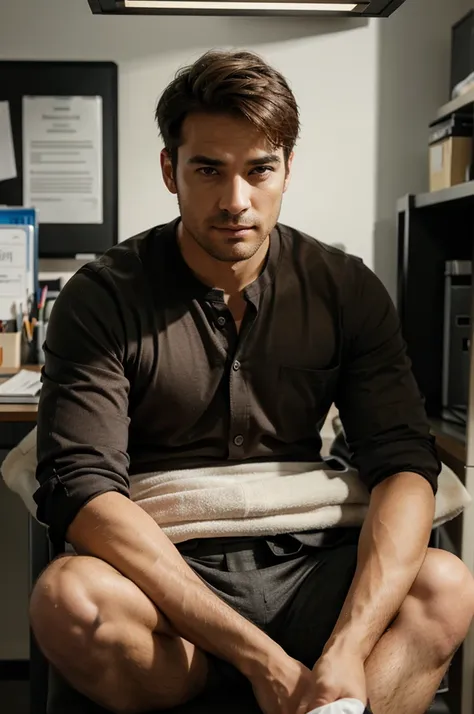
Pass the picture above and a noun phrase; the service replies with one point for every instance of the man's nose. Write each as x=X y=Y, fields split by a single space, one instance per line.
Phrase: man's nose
x=235 y=197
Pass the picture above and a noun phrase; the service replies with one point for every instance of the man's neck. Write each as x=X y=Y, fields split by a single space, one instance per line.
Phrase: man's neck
x=232 y=278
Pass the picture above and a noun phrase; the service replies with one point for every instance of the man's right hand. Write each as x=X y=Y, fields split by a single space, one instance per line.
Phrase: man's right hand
x=281 y=687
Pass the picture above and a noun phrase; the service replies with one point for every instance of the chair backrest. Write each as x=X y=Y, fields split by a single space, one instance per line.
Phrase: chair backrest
x=40 y=556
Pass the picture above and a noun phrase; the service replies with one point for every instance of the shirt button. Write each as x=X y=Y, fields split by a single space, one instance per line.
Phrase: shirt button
x=221 y=321
x=236 y=366
x=238 y=440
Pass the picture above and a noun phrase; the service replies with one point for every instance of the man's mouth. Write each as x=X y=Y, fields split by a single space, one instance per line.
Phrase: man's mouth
x=234 y=229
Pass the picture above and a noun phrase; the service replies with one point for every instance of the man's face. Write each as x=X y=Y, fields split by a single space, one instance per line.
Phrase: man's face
x=230 y=183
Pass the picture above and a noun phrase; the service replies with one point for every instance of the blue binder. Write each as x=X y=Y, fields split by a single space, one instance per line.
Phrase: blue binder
x=19 y=216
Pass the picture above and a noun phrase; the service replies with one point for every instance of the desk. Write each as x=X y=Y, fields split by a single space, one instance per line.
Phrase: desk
x=23 y=413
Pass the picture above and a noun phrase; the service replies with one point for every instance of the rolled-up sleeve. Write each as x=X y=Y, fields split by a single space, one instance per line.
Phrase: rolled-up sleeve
x=83 y=411
x=381 y=408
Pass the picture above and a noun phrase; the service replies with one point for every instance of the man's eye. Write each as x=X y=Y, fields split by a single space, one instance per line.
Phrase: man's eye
x=262 y=170
x=207 y=171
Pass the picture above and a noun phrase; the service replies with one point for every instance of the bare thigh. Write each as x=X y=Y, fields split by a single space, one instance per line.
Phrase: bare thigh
x=110 y=641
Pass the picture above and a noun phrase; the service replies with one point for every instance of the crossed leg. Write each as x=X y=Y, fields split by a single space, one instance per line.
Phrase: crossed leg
x=109 y=641
x=408 y=663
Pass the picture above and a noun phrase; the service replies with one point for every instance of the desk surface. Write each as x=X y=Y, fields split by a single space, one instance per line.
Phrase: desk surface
x=18 y=412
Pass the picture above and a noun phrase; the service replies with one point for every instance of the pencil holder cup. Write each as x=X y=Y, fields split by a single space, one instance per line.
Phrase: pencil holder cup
x=10 y=350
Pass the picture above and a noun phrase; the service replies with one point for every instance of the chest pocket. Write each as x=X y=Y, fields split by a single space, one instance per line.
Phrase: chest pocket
x=304 y=397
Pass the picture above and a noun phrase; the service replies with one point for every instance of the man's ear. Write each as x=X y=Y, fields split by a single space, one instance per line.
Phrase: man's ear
x=167 y=171
x=288 y=171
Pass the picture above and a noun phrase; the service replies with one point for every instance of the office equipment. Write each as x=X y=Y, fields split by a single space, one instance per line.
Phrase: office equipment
x=23 y=388
x=316 y=8
x=69 y=226
x=456 y=338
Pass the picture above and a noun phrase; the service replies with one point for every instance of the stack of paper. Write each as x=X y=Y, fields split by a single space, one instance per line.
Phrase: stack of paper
x=23 y=388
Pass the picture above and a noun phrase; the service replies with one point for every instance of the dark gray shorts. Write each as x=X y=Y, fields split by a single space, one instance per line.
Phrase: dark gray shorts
x=292 y=591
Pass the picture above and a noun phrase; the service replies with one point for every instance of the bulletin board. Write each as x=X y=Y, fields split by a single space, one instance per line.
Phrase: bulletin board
x=22 y=81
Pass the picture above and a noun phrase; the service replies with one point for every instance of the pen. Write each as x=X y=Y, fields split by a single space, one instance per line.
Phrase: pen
x=19 y=317
x=28 y=330
x=42 y=303
x=29 y=305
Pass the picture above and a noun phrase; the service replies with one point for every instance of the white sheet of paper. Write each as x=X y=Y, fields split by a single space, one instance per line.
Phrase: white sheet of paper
x=62 y=158
x=7 y=151
x=16 y=268
x=25 y=382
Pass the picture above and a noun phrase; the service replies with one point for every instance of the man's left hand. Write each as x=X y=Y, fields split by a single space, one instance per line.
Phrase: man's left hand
x=336 y=675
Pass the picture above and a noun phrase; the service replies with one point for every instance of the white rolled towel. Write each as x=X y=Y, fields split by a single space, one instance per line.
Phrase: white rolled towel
x=246 y=499
x=343 y=706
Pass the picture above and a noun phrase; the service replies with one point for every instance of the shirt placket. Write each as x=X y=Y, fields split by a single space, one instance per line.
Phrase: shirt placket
x=239 y=406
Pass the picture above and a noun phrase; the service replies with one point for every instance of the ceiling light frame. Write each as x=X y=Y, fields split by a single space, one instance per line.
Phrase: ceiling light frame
x=366 y=9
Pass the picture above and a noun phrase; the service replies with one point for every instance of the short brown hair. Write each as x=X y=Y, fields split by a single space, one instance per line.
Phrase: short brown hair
x=238 y=83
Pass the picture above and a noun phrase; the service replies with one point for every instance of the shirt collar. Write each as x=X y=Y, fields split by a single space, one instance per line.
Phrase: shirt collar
x=185 y=281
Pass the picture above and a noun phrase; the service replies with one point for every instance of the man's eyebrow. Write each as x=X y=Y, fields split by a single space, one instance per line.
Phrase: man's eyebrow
x=205 y=160
x=267 y=159
x=202 y=160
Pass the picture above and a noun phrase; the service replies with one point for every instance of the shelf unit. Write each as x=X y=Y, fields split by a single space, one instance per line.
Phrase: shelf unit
x=433 y=228
x=463 y=103
x=462 y=194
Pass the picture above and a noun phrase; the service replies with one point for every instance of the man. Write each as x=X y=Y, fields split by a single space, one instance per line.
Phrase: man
x=222 y=339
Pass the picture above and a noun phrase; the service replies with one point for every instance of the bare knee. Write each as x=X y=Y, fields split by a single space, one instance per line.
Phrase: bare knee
x=63 y=603
x=77 y=610
x=444 y=595
x=76 y=595
x=91 y=621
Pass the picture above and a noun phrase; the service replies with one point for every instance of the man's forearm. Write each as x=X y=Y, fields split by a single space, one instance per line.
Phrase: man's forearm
x=118 y=531
x=392 y=549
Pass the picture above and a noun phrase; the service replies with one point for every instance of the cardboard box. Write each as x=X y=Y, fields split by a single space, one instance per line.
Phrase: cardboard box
x=450 y=162
x=451 y=152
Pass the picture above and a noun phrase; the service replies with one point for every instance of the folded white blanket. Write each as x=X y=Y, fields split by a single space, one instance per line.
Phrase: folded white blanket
x=244 y=499
x=267 y=498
